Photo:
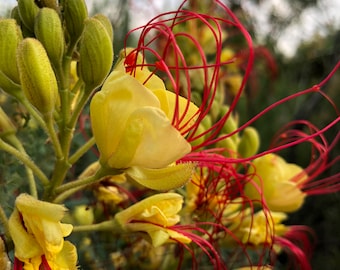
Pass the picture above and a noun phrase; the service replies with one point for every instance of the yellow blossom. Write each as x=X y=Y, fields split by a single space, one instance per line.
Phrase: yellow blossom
x=131 y=123
x=258 y=228
x=278 y=181
x=154 y=215
x=36 y=230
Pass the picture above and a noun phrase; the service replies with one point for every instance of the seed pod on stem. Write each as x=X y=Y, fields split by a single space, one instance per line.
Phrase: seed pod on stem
x=28 y=10
x=37 y=77
x=75 y=13
x=49 y=32
x=96 y=54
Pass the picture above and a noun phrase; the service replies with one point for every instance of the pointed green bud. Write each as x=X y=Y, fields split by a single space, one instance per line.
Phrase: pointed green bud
x=229 y=145
x=231 y=124
x=96 y=54
x=250 y=142
x=6 y=125
x=10 y=38
x=37 y=77
x=106 y=23
x=75 y=13
x=49 y=31
x=15 y=15
x=28 y=10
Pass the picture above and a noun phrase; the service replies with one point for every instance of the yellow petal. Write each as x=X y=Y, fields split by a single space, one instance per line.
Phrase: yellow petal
x=182 y=109
x=111 y=107
x=166 y=178
x=155 y=141
x=287 y=197
x=25 y=244
x=169 y=203
x=67 y=258
x=31 y=206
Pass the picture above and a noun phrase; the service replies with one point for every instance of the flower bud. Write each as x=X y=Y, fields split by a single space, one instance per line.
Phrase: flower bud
x=6 y=125
x=106 y=23
x=96 y=53
x=15 y=15
x=278 y=182
x=249 y=143
x=10 y=38
x=75 y=13
x=229 y=145
x=28 y=10
x=48 y=30
x=231 y=124
x=37 y=77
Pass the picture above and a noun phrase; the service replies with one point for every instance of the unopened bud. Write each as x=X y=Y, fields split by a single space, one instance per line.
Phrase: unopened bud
x=229 y=145
x=15 y=15
x=6 y=125
x=48 y=30
x=37 y=77
x=10 y=38
x=106 y=23
x=28 y=10
x=96 y=53
x=249 y=143
x=231 y=124
x=75 y=13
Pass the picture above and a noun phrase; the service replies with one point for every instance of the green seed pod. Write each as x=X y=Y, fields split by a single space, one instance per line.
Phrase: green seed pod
x=37 y=77
x=15 y=15
x=10 y=38
x=49 y=31
x=231 y=124
x=250 y=142
x=28 y=10
x=6 y=125
x=229 y=145
x=107 y=24
x=96 y=54
x=75 y=13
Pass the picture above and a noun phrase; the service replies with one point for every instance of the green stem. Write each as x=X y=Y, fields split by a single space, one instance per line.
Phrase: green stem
x=82 y=150
x=4 y=222
x=33 y=112
x=24 y=158
x=54 y=137
x=110 y=225
x=13 y=140
x=85 y=181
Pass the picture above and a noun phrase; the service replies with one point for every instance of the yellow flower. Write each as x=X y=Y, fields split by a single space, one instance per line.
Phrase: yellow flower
x=154 y=215
x=132 y=123
x=278 y=181
x=259 y=228
x=36 y=230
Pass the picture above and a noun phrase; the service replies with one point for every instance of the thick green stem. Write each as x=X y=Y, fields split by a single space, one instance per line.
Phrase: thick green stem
x=13 y=140
x=4 y=222
x=33 y=112
x=54 y=137
x=24 y=158
x=66 y=190
x=85 y=181
x=110 y=225
x=81 y=151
